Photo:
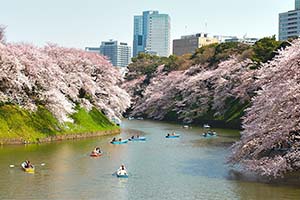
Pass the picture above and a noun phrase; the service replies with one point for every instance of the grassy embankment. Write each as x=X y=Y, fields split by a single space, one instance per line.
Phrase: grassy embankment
x=17 y=124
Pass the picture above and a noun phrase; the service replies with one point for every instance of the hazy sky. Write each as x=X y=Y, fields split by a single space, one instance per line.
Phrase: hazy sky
x=80 y=23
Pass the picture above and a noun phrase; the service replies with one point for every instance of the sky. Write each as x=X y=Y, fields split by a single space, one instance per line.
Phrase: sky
x=82 y=23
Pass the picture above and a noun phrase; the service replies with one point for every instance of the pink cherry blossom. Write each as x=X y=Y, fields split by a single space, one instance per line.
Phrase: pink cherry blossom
x=270 y=141
x=55 y=76
x=190 y=94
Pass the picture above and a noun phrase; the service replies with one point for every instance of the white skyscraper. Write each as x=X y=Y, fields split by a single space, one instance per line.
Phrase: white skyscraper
x=118 y=53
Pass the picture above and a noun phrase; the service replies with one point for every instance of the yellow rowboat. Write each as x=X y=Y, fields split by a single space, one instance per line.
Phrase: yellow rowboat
x=28 y=170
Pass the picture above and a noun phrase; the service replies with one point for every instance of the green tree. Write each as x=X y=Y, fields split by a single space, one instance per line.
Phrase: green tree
x=265 y=49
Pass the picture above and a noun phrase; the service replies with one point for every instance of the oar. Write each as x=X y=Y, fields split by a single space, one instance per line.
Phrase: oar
x=12 y=166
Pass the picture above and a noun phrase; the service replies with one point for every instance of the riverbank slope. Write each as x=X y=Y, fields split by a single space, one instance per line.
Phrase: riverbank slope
x=213 y=85
x=18 y=125
x=53 y=93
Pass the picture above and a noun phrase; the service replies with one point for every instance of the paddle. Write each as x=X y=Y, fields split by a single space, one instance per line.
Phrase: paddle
x=12 y=166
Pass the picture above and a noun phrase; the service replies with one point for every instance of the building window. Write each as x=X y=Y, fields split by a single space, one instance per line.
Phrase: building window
x=294 y=18
x=140 y=40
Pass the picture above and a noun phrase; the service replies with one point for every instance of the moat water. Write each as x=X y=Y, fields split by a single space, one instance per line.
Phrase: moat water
x=189 y=167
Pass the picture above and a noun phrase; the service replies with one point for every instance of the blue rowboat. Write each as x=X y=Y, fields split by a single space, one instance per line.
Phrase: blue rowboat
x=209 y=135
x=122 y=175
x=137 y=139
x=120 y=142
x=173 y=136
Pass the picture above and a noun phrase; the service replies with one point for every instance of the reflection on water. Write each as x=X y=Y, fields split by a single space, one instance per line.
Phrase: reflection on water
x=190 y=167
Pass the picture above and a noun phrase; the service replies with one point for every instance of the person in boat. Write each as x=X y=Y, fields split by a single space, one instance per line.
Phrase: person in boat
x=120 y=139
x=173 y=133
x=168 y=134
x=137 y=136
x=122 y=167
x=98 y=151
x=131 y=138
x=28 y=164
x=122 y=170
x=114 y=139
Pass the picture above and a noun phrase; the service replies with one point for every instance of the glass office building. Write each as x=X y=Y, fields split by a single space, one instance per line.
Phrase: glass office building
x=152 y=34
x=297 y=4
x=289 y=23
x=138 y=35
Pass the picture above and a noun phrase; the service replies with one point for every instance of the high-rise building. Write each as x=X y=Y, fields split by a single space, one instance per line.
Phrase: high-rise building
x=118 y=53
x=289 y=23
x=297 y=4
x=138 y=43
x=189 y=43
x=152 y=34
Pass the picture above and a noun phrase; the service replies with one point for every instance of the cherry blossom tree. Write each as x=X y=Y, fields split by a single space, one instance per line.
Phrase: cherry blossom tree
x=194 y=92
x=158 y=97
x=270 y=142
x=59 y=78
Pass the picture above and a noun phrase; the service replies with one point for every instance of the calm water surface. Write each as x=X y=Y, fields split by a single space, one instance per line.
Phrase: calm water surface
x=190 y=167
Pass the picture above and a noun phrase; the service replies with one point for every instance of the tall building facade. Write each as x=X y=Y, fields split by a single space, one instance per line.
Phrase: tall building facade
x=297 y=4
x=189 y=43
x=138 y=43
x=119 y=53
x=289 y=23
x=152 y=33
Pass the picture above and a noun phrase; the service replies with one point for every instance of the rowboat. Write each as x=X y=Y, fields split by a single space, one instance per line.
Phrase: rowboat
x=209 y=134
x=137 y=139
x=119 y=142
x=95 y=154
x=122 y=174
x=28 y=170
x=173 y=136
